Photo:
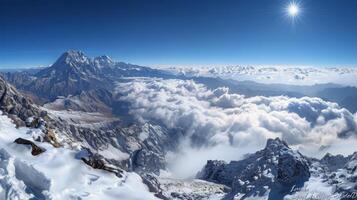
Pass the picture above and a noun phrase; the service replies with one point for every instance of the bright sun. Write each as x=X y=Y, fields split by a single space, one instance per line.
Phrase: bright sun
x=293 y=9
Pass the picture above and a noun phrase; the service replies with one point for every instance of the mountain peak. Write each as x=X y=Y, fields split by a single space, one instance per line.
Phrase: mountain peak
x=72 y=56
x=276 y=143
x=74 y=52
x=276 y=167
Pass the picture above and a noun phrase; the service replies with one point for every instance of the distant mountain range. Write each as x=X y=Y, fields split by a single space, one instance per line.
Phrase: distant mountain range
x=74 y=72
x=289 y=75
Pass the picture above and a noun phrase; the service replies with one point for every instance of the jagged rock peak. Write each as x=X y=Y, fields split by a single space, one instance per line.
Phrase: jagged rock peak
x=276 y=144
x=78 y=58
x=72 y=56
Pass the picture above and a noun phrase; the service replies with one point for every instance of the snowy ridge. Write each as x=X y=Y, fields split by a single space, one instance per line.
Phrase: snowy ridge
x=56 y=173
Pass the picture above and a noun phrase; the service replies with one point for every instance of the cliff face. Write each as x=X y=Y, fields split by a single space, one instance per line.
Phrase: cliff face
x=16 y=106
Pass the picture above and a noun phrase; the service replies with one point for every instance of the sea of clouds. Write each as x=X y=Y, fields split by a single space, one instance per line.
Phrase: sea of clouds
x=221 y=125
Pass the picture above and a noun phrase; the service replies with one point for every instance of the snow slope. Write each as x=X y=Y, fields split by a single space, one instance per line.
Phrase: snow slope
x=56 y=173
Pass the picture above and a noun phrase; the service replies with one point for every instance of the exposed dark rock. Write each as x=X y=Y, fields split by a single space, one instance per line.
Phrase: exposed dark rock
x=96 y=161
x=36 y=150
x=35 y=122
x=51 y=138
x=218 y=172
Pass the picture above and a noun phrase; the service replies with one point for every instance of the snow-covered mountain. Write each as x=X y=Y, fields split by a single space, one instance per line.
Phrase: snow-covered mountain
x=74 y=72
x=278 y=172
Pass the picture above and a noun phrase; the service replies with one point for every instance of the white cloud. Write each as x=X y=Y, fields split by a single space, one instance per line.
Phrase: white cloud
x=214 y=120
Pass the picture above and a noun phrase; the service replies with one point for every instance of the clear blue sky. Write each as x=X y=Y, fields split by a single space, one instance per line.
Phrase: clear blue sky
x=179 y=32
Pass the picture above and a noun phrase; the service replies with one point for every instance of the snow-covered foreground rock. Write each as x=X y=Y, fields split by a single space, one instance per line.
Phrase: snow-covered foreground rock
x=56 y=173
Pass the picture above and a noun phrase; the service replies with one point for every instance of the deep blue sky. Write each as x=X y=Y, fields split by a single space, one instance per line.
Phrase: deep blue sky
x=179 y=32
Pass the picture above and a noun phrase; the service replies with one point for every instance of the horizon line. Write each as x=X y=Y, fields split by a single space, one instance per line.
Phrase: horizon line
x=166 y=66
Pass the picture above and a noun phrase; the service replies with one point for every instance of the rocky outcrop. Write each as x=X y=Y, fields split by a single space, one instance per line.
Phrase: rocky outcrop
x=219 y=172
x=276 y=168
x=35 y=150
x=154 y=186
x=145 y=145
x=26 y=113
x=97 y=162
x=51 y=138
x=145 y=160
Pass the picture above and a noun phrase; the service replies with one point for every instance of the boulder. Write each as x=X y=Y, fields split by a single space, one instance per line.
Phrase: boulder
x=36 y=150
x=97 y=162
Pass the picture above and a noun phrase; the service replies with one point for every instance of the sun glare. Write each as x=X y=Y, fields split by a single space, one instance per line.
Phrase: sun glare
x=293 y=9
